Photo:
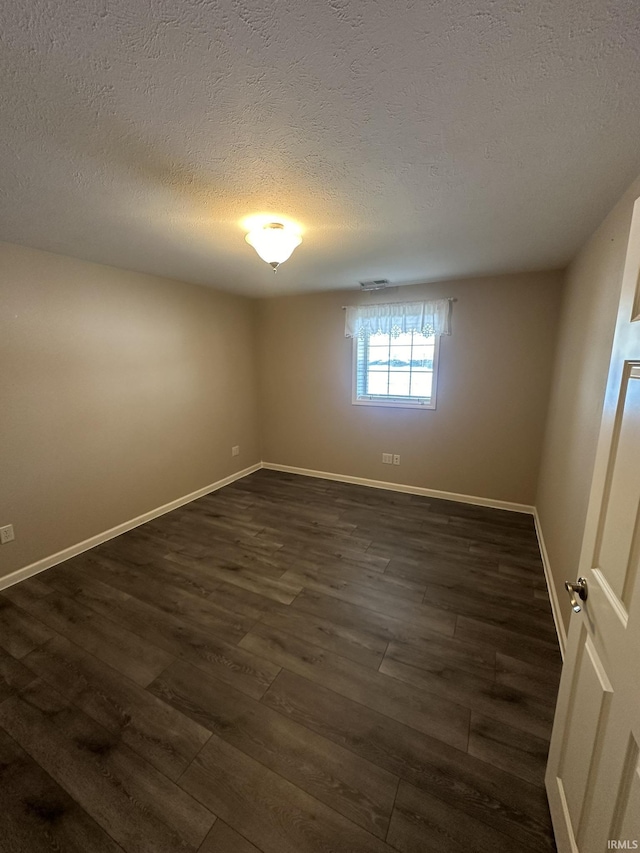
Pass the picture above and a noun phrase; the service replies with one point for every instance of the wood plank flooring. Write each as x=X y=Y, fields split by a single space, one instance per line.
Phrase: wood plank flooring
x=288 y=665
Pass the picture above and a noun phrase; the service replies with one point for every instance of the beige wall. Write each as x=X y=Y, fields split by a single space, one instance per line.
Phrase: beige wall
x=485 y=436
x=120 y=392
x=587 y=325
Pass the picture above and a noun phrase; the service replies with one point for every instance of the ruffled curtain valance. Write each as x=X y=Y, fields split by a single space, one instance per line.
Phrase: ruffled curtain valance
x=396 y=318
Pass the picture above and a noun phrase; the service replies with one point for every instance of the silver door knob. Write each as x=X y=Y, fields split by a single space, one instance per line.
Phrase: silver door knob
x=579 y=589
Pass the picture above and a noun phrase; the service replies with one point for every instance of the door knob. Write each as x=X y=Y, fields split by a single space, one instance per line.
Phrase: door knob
x=579 y=589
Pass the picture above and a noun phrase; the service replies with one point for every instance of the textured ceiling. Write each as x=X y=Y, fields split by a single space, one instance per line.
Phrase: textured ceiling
x=410 y=140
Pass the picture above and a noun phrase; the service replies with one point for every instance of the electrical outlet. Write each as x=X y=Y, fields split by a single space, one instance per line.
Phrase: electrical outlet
x=387 y=458
x=235 y=450
x=6 y=534
x=396 y=458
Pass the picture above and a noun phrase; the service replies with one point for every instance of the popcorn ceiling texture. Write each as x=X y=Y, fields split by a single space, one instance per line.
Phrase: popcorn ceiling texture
x=411 y=140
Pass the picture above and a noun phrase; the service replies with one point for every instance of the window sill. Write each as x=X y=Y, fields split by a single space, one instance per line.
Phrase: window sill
x=395 y=404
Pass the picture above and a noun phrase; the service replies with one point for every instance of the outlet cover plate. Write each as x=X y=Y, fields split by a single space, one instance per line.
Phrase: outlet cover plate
x=6 y=534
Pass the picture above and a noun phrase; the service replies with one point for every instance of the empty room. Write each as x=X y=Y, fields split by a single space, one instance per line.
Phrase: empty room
x=319 y=426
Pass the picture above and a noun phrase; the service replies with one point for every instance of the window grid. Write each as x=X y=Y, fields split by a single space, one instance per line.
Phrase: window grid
x=365 y=369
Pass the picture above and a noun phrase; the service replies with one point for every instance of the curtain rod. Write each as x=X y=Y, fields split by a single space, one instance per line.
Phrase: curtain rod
x=448 y=298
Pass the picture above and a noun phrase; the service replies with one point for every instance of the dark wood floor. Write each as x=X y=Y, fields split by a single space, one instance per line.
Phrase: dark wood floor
x=288 y=665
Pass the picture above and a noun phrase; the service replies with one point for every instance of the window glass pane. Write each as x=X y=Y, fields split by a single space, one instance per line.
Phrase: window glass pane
x=422 y=357
x=400 y=357
x=421 y=364
x=378 y=357
x=422 y=350
x=399 y=384
x=377 y=383
x=421 y=384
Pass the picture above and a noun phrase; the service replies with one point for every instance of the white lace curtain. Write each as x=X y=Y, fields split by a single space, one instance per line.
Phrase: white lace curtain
x=395 y=318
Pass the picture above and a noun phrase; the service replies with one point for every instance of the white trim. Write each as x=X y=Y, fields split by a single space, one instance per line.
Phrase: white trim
x=74 y=550
x=551 y=588
x=400 y=487
x=394 y=403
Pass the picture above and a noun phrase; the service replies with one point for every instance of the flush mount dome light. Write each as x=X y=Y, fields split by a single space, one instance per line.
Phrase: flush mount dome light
x=273 y=242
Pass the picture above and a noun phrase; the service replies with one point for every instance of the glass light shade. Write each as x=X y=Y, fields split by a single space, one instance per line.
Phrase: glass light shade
x=273 y=242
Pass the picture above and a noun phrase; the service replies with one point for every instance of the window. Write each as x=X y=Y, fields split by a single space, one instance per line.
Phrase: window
x=395 y=371
x=395 y=352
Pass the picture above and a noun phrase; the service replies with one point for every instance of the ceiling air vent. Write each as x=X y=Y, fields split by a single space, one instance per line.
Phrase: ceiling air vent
x=376 y=284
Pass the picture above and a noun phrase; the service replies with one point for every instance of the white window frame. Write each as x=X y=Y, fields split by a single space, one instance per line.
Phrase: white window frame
x=395 y=402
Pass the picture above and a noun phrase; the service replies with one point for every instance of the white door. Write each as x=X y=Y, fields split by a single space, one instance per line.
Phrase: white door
x=593 y=775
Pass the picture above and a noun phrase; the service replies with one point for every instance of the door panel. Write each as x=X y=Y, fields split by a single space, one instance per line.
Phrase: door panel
x=614 y=811
x=590 y=698
x=626 y=816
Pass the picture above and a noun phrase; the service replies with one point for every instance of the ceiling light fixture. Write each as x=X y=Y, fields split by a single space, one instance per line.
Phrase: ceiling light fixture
x=273 y=242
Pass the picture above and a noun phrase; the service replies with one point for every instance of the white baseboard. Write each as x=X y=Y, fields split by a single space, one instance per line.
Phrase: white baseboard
x=74 y=550
x=551 y=588
x=398 y=487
